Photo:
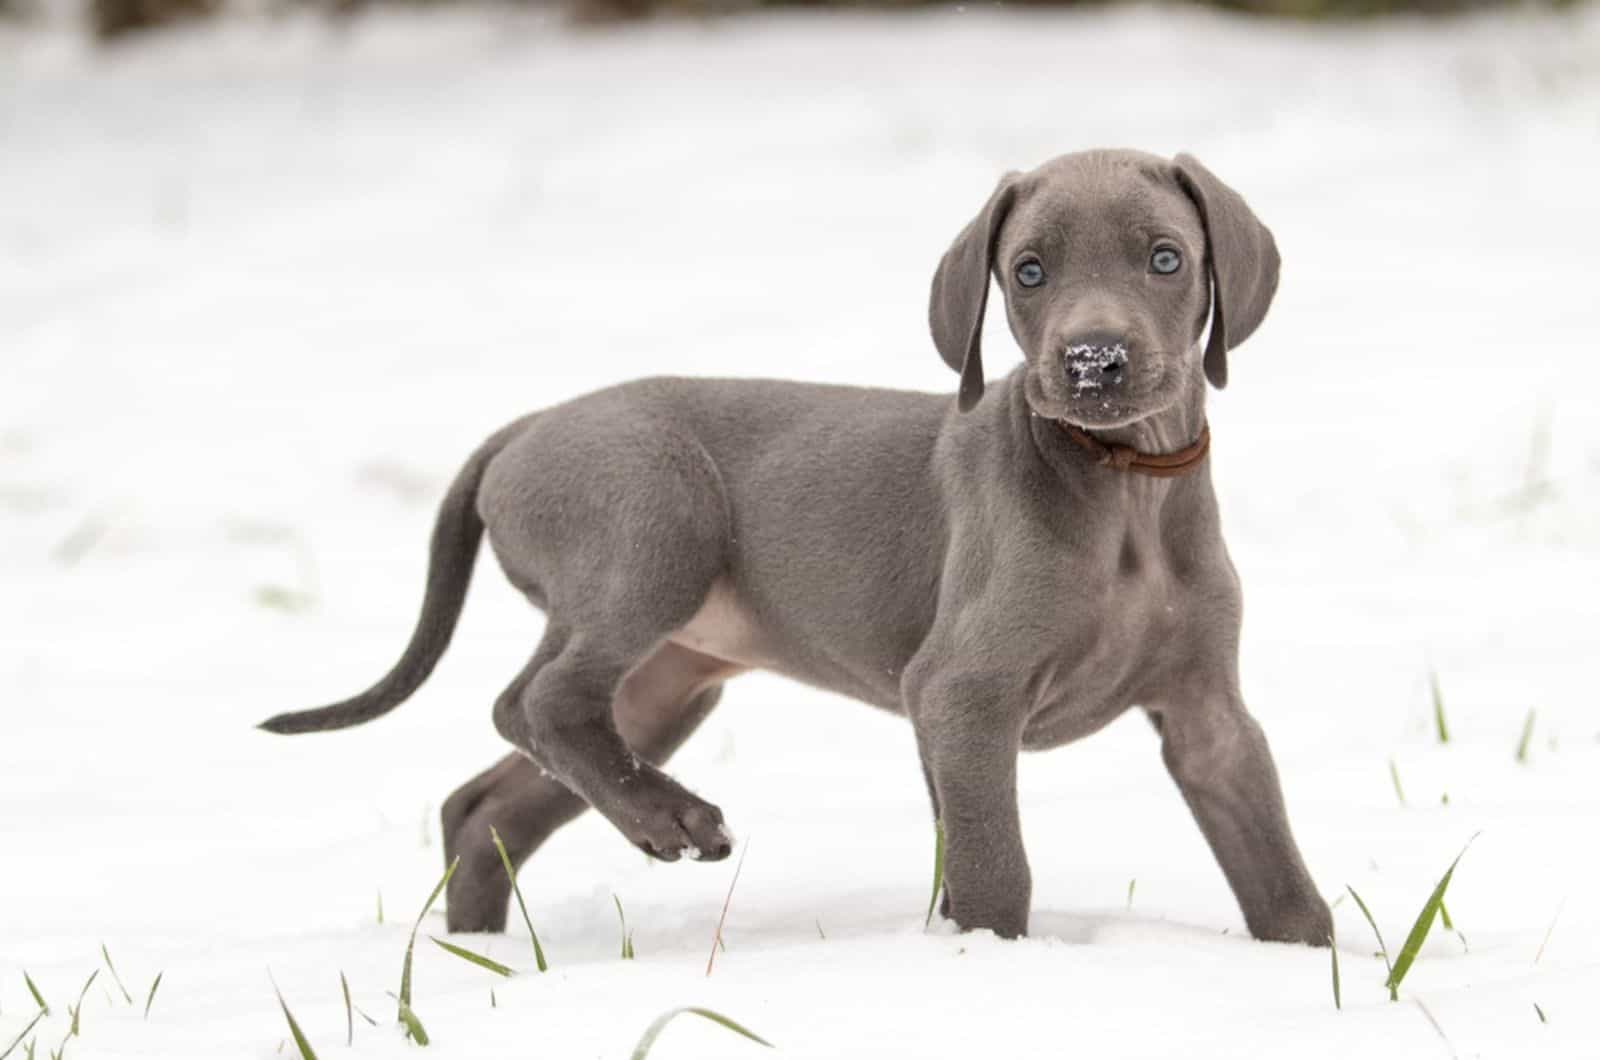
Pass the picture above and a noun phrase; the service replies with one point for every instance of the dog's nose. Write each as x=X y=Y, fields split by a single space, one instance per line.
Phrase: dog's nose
x=1095 y=359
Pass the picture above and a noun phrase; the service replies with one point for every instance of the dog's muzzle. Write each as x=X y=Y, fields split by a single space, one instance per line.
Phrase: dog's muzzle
x=1091 y=366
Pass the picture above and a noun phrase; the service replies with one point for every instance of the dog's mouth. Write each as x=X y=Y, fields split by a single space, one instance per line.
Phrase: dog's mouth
x=1097 y=388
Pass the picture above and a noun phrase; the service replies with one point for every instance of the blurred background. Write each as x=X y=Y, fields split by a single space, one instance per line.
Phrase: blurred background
x=113 y=18
x=268 y=271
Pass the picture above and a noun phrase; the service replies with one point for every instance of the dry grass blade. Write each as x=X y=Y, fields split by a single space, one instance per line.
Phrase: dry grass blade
x=1437 y=1028
x=150 y=998
x=37 y=1016
x=486 y=963
x=511 y=874
x=938 y=870
x=1419 y=930
x=300 y=1042
x=1549 y=931
x=716 y=939
x=106 y=953
x=653 y=1032
x=411 y=945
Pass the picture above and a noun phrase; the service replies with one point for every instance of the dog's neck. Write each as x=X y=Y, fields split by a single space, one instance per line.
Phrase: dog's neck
x=1171 y=443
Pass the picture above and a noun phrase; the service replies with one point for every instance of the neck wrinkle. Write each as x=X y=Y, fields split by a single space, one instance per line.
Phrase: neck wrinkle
x=1167 y=431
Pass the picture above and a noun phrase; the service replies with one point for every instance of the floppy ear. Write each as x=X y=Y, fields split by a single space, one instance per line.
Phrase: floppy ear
x=1244 y=264
x=961 y=291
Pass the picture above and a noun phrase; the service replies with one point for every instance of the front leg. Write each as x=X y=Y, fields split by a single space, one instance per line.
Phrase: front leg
x=969 y=744
x=1219 y=758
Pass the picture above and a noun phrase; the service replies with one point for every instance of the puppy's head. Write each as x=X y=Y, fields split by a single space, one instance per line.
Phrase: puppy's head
x=1111 y=263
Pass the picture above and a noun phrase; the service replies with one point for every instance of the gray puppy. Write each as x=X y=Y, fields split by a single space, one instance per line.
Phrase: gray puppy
x=1011 y=570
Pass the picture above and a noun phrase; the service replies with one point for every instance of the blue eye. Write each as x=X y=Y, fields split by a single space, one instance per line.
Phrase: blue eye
x=1030 y=274
x=1166 y=261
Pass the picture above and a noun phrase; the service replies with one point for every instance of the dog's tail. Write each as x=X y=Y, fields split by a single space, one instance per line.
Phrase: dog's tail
x=456 y=534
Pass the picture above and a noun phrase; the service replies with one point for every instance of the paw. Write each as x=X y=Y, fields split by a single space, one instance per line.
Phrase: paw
x=1310 y=924
x=669 y=825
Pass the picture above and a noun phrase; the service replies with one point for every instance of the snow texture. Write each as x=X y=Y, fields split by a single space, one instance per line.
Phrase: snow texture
x=263 y=286
x=1087 y=363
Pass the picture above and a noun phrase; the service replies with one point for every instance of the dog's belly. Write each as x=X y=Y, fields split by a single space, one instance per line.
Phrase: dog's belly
x=725 y=630
x=1069 y=719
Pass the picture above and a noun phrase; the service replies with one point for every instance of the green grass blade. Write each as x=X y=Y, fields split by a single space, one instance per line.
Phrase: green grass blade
x=1527 y=736
x=150 y=998
x=299 y=1036
x=938 y=870
x=104 y=952
x=414 y=1028
x=1373 y=923
x=349 y=1012
x=38 y=998
x=1333 y=951
x=37 y=1016
x=1131 y=885
x=411 y=945
x=1441 y=727
x=1419 y=930
x=1444 y=917
x=77 y=1009
x=1540 y=1011
x=511 y=874
x=627 y=937
x=474 y=958
x=1394 y=775
x=1393 y=995
x=653 y=1032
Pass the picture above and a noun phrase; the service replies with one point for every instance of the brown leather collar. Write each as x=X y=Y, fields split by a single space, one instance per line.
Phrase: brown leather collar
x=1127 y=458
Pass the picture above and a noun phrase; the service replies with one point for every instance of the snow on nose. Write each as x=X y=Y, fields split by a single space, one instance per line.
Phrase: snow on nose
x=1093 y=365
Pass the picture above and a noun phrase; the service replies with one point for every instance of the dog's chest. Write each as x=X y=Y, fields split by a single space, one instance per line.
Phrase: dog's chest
x=1122 y=630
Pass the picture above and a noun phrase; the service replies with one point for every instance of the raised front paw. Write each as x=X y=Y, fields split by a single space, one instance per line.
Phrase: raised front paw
x=667 y=822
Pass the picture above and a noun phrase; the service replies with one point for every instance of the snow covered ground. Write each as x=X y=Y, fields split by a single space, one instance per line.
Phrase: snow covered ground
x=263 y=285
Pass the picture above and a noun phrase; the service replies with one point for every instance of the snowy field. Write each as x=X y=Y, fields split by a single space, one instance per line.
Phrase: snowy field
x=264 y=285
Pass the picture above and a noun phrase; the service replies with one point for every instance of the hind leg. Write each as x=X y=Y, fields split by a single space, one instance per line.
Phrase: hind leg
x=658 y=705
